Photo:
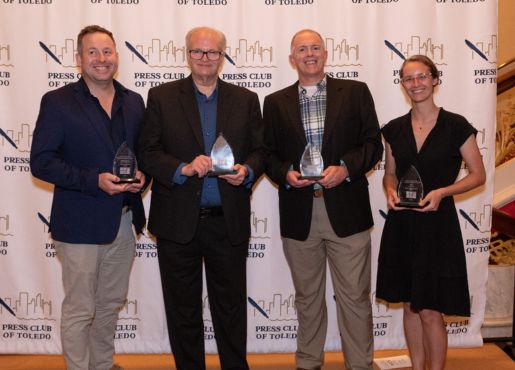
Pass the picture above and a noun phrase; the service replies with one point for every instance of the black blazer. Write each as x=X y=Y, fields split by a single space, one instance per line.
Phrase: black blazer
x=351 y=134
x=172 y=134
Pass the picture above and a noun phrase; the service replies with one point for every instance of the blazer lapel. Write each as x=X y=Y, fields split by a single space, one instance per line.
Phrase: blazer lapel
x=129 y=131
x=189 y=105
x=224 y=108
x=94 y=116
x=291 y=95
x=127 y=118
x=334 y=103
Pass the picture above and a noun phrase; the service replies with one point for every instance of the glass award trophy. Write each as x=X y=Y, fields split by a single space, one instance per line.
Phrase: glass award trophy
x=311 y=163
x=410 y=189
x=222 y=159
x=125 y=165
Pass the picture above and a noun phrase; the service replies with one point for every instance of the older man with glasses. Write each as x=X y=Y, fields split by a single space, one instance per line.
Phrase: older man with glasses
x=198 y=218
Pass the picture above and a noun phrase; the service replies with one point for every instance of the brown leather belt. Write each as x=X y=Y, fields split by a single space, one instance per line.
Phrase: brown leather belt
x=206 y=212
x=318 y=193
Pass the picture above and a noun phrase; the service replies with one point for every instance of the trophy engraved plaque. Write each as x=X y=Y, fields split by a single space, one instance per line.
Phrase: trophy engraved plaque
x=222 y=158
x=311 y=163
x=410 y=189
x=125 y=165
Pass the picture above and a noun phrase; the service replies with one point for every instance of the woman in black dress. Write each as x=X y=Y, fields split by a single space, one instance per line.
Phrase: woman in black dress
x=422 y=259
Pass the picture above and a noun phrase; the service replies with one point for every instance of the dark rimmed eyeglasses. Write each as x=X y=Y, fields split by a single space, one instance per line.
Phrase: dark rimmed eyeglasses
x=198 y=54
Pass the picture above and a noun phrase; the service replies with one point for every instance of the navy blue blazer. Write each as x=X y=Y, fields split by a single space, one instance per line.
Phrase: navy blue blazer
x=70 y=147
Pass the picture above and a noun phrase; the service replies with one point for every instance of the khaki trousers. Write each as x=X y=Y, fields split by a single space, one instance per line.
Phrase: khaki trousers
x=96 y=280
x=349 y=264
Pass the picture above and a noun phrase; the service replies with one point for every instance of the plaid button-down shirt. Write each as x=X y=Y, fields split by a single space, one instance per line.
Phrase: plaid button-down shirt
x=312 y=113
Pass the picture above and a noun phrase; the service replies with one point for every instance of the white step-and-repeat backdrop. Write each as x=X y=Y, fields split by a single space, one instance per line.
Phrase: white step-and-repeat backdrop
x=366 y=40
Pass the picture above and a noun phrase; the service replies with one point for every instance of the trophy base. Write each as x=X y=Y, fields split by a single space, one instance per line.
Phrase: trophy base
x=311 y=177
x=221 y=173
x=128 y=181
x=408 y=205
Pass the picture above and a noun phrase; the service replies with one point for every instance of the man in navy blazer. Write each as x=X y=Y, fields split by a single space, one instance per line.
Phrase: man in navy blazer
x=325 y=220
x=199 y=219
x=78 y=131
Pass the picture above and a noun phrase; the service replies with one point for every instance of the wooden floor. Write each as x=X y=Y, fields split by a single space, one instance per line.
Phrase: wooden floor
x=488 y=357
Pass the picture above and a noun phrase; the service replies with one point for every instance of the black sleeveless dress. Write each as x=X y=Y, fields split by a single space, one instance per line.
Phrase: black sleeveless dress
x=422 y=258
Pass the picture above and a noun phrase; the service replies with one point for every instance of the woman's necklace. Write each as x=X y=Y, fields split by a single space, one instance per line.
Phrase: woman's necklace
x=427 y=123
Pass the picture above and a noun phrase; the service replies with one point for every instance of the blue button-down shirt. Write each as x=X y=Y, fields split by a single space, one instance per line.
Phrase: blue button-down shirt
x=207 y=109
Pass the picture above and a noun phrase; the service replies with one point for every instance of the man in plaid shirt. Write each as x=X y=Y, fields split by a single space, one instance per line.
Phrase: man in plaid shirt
x=325 y=220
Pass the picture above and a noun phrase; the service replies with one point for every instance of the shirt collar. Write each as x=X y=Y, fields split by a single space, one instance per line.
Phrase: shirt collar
x=119 y=88
x=321 y=86
x=119 y=92
x=199 y=94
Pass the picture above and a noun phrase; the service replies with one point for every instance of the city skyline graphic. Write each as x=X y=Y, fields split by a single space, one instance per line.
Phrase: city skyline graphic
x=4 y=225
x=436 y=51
x=251 y=53
x=380 y=309
x=129 y=311
x=278 y=309
x=29 y=307
x=481 y=139
x=341 y=53
x=259 y=227
x=63 y=55
x=417 y=45
x=481 y=220
x=169 y=54
x=21 y=140
x=484 y=49
x=5 y=56
x=206 y=311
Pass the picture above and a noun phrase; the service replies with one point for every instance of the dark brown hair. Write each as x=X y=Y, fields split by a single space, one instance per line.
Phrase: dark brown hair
x=91 y=29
